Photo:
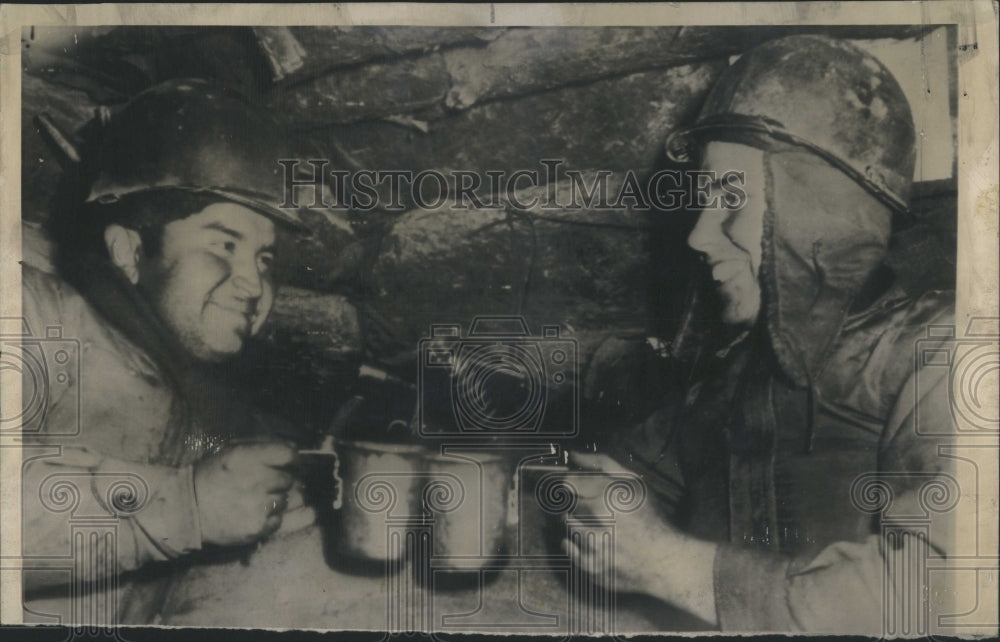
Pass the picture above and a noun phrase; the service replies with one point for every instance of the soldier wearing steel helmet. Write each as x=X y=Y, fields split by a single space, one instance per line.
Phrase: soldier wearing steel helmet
x=795 y=367
x=165 y=233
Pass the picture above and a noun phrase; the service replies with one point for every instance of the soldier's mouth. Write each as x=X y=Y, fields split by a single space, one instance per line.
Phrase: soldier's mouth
x=246 y=314
x=724 y=271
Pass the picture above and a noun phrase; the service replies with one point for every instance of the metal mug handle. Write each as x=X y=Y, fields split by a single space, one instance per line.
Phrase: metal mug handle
x=338 y=499
x=328 y=449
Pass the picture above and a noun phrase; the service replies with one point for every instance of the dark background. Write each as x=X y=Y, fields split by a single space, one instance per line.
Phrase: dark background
x=368 y=286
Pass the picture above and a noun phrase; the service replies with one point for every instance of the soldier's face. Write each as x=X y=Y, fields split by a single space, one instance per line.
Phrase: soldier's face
x=730 y=239
x=211 y=282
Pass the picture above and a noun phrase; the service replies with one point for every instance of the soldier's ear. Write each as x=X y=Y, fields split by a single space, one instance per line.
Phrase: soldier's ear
x=125 y=250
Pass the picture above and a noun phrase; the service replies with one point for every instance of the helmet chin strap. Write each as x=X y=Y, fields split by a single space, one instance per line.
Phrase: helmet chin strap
x=252 y=200
x=187 y=135
x=818 y=94
x=731 y=125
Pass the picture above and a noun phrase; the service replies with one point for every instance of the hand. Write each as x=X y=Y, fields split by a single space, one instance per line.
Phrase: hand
x=298 y=515
x=242 y=491
x=651 y=556
x=642 y=537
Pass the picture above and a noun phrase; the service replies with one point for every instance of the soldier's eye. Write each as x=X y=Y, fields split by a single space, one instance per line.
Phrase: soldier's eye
x=223 y=245
x=730 y=222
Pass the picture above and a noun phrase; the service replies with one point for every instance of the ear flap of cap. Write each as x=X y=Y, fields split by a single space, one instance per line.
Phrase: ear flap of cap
x=824 y=236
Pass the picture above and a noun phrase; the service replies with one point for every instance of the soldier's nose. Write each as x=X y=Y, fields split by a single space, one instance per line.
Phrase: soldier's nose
x=247 y=280
x=707 y=232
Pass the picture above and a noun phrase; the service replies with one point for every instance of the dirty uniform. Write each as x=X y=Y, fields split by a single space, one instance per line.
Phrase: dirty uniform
x=107 y=480
x=810 y=446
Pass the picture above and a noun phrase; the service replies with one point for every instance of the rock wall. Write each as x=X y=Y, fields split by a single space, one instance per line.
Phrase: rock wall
x=368 y=285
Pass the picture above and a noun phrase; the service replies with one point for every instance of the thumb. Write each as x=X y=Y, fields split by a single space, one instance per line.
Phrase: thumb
x=274 y=453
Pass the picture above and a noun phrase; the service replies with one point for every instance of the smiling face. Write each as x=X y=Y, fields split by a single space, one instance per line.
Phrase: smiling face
x=211 y=281
x=730 y=239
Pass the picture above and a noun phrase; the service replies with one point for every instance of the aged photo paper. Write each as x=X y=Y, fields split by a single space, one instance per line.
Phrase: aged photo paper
x=549 y=320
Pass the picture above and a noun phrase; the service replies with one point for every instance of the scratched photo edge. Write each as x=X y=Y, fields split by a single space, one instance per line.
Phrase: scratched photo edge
x=976 y=287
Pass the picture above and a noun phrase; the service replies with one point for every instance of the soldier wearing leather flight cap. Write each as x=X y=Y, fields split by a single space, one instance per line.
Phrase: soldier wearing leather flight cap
x=165 y=233
x=797 y=399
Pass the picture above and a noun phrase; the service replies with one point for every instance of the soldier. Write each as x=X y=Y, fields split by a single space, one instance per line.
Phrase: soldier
x=165 y=240
x=795 y=380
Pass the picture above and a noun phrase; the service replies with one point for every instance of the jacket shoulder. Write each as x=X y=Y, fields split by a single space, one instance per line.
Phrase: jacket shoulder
x=880 y=348
x=931 y=316
x=48 y=302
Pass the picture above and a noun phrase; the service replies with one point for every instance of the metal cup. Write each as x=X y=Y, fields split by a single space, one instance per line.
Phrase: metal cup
x=466 y=495
x=379 y=482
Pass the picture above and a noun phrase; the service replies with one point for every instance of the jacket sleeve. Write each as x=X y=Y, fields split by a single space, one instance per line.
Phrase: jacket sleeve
x=85 y=509
x=150 y=512
x=866 y=585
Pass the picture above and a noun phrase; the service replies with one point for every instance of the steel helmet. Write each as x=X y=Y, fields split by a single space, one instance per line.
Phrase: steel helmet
x=189 y=135
x=819 y=93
